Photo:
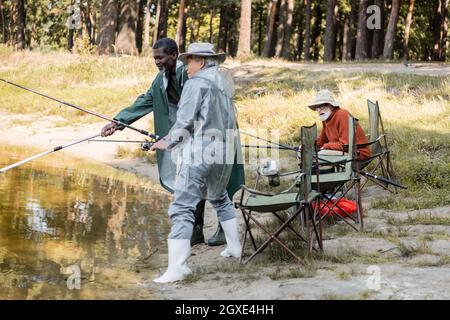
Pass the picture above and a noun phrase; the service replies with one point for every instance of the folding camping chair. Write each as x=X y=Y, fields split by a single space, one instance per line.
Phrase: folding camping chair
x=253 y=204
x=344 y=181
x=379 y=147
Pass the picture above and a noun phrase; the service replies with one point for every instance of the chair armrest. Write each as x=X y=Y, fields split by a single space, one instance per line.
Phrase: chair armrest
x=271 y=194
x=362 y=145
x=257 y=192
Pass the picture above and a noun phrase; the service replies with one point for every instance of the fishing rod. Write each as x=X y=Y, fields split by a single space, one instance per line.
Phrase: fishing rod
x=100 y=140
x=145 y=145
x=144 y=132
x=382 y=179
x=269 y=147
x=135 y=141
x=271 y=142
x=364 y=173
x=55 y=149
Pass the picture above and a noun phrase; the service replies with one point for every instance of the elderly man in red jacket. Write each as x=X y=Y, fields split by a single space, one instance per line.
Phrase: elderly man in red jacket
x=334 y=134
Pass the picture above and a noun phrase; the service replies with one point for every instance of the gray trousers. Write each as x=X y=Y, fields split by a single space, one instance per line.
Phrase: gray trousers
x=181 y=212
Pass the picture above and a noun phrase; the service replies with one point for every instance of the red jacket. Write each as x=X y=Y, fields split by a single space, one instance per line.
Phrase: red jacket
x=335 y=134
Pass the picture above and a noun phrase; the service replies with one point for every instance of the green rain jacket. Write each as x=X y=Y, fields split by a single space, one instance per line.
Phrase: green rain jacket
x=155 y=100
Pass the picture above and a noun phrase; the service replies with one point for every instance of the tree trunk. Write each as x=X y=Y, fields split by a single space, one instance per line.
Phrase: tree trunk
x=107 y=28
x=126 y=37
x=212 y=13
x=308 y=31
x=346 y=39
x=140 y=25
x=12 y=22
x=245 y=28
x=409 y=18
x=444 y=29
x=281 y=28
x=271 y=16
x=33 y=25
x=21 y=24
x=2 y=21
x=288 y=29
x=163 y=17
x=378 y=34
x=94 y=23
x=70 y=39
x=317 y=31
x=80 y=30
x=339 y=37
x=232 y=46
x=300 y=15
x=353 y=29
x=89 y=20
x=437 y=31
x=155 y=27
x=362 y=36
x=260 y=26
x=181 y=22
x=182 y=46
x=388 y=51
x=146 y=44
x=330 y=32
x=223 y=29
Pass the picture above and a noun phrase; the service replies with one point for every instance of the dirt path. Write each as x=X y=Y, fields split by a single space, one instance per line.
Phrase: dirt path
x=424 y=69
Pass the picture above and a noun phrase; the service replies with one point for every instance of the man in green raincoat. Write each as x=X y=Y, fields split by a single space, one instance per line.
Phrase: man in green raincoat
x=162 y=99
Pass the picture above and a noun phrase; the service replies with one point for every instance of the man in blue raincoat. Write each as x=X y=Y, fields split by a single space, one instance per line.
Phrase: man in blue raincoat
x=206 y=138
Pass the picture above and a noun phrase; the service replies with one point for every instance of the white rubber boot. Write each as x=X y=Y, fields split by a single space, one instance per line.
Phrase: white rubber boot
x=179 y=252
x=233 y=249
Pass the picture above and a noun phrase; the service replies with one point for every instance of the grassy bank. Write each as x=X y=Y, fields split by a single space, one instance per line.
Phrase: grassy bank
x=415 y=109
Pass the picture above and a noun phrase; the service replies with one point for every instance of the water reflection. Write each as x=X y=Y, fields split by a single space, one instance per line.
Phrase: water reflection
x=37 y=218
x=52 y=219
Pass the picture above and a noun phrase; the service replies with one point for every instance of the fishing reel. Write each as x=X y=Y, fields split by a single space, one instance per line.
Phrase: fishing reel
x=270 y=170
x=146 y=146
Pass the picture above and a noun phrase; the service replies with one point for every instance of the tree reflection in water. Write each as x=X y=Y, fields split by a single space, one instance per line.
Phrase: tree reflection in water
x=100 y=220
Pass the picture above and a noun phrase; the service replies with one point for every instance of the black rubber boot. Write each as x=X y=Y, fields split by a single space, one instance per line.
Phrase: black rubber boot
x=197 y=232
x=218 y=238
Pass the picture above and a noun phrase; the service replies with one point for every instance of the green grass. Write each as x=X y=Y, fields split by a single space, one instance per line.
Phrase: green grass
x=415 y=109
x=101 y=84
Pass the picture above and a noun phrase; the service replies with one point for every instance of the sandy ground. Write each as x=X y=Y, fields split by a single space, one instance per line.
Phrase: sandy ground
x=420 y=273
x=423 y=275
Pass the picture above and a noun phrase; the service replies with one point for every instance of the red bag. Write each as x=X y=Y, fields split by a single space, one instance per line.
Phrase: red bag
x=348 y=207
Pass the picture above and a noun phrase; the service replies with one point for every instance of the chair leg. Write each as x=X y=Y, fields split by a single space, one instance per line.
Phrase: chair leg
x=318 y=233
x=245 y=236
x=308 y=230
x=360 y=208
x=314 y=234
x=345 y=217
x=274 y=237
x=385 y=169
x=246 y=215
x=248 y=229
x=289 y=226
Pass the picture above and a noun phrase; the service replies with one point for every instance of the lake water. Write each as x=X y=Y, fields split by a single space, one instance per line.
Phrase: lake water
x=70 y=229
